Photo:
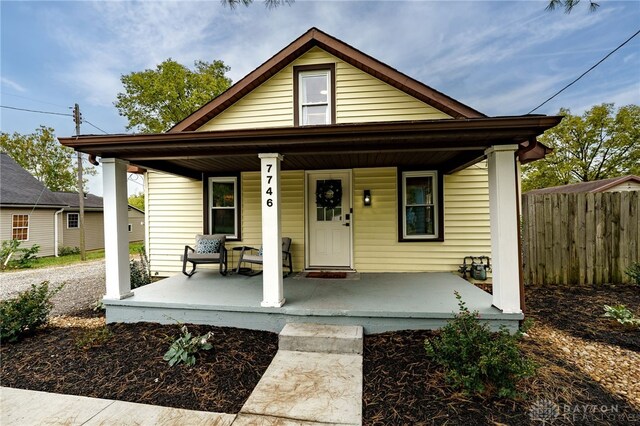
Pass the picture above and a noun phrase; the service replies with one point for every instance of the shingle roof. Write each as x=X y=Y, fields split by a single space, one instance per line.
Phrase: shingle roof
x=19 y=187
x=586 y=187
x=71 y=199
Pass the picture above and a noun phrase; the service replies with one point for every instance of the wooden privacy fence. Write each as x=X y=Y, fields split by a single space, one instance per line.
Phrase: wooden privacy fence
x=578 y=239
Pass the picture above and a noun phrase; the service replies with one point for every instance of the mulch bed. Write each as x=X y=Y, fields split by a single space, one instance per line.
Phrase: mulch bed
x=578 y=311
x=401 y=385
x=128 y=366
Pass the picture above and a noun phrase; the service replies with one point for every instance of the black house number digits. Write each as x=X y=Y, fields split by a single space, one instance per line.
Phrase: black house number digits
x=269 y=190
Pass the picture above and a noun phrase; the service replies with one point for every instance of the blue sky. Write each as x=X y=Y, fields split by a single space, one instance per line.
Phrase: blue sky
x=502 y=58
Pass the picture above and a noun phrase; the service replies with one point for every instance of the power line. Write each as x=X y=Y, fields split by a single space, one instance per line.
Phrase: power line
x=31 y=99
x=36 y=111
x=93 y=125
x=586 y=72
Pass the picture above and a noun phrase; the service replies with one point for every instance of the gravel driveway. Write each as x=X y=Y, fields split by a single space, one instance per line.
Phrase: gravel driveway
x=84 y=283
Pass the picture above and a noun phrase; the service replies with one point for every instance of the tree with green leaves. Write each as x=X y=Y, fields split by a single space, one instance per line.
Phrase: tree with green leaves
x=600 y=144
x=41 y=155
x=154 y=100
x=137 y=201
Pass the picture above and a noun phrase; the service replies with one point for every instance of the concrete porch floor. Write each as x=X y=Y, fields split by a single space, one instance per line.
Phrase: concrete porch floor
x=377 y=301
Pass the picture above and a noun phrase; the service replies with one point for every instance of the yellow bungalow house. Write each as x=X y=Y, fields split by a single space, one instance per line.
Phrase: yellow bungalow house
x=366 y=169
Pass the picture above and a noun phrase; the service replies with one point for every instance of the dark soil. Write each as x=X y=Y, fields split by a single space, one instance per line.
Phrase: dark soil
x=127 y=365
x=578 y=311
x=401 y=386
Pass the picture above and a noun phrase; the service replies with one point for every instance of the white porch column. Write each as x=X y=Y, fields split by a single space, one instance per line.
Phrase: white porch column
x=503 y=205
x=116 y=237
x=272 y=288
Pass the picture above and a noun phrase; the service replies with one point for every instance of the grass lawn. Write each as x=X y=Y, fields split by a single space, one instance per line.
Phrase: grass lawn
x=49 y=261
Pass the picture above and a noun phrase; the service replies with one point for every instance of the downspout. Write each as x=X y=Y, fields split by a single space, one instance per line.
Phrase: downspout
x=55 y=231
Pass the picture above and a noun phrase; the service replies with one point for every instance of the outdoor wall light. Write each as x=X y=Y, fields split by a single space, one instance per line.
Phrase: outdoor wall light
x=367 y=197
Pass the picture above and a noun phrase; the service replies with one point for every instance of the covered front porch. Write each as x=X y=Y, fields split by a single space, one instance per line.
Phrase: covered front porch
x=377 y=301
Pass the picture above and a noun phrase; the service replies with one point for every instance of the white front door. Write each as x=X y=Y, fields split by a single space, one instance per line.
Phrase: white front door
x=329 y=219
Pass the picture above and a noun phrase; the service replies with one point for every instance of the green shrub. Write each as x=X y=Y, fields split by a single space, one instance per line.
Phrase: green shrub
x=67 y=251
x=476 y=359
x=24 y=313
x=634 y=272
x=28 y=256
x=94 y=337
x=622 y=314
x=7 y=250
x=186 y=346
x=139 y=270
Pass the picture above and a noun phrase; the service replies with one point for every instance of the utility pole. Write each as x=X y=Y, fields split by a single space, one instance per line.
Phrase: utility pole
x=77 y=118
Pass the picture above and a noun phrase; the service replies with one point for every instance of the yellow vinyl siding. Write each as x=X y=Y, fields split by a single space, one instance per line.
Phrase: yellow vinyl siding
x=175 y=206
x=466 y=215
x=41 y=228
x=175 y=217
x=292 y=213
x=360 y=98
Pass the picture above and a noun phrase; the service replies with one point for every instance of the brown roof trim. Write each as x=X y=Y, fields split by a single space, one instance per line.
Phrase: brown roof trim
x=617 y=182
x=315 y=37
x=527 y=124
x=588 y=187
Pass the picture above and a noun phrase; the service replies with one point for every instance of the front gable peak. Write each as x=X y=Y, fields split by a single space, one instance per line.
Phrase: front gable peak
x=337 y=48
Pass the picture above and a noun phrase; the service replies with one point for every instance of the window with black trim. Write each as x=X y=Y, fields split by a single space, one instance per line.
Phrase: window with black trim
x=73 y=220
x=223 y=206
x=20 y=227
x=421 y=209
x=314 y=92
x=130 y=228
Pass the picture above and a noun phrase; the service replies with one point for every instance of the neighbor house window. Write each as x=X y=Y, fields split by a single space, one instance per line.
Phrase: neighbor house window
x=223 y=206
x=20 y=227
x=73 y=220
x=314 y=92
x=130 y=228
x=420 y=209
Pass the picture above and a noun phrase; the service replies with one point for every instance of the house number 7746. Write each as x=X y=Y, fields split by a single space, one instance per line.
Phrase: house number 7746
x=269 y=190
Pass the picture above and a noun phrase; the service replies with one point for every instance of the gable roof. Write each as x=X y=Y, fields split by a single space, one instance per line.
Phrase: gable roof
x=315 y=37
x=19 y=187
x=71 y=199
x=586 y=187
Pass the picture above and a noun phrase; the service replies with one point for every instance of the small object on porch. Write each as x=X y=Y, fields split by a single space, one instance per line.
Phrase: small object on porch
x=209 y=249
x=253 y=255
x=477 y=268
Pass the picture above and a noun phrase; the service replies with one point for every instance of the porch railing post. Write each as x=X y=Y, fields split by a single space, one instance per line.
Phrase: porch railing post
x=272 y=287
x=503 y=212
x=116 y=236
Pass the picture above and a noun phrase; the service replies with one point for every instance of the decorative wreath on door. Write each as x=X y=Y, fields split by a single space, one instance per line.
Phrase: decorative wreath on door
x=328 y=193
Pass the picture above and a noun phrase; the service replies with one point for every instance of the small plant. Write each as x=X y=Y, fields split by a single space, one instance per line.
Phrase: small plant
x=26 y=312
x=634 y=272
x=622 y=314
x=94 y=337
x=8 y=249
x=186 y=346
x=98 y=305
x=28 y=256
x=139 y=271
x=68 y=251
x=12 y=254
x=476 y=359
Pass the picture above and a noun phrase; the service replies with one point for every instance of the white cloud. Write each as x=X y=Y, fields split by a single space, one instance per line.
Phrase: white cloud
x=12 y=84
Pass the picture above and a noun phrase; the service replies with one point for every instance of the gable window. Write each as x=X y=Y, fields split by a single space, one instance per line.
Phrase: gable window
x=421 y=207
x=20 y=227
x=130 y=228
x=223 y=206
x=73 y=220
x=314 y=93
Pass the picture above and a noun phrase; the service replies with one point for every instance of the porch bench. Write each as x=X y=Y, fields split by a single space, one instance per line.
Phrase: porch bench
x=197 y=257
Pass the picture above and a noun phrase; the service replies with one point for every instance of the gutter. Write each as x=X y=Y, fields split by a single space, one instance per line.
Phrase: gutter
x=55 y=231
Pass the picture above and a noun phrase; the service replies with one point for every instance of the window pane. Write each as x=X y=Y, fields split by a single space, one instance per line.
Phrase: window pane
x=419 y=190
x=222 y=194
x=316 y=114
x=223 y=221
x=420 y=220
x=314 y=89
x=320 y=214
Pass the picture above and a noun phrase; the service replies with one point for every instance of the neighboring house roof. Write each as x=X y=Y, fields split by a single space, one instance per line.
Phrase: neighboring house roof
x=136 y=209
x=71 y=199
x=315 y=37
x=18 y=187
x=587 y=187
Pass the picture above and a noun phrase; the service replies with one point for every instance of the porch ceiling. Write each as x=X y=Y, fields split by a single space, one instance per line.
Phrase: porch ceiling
x=447 y=145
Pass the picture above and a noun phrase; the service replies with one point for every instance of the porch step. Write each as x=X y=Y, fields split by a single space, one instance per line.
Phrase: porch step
x=333 y=339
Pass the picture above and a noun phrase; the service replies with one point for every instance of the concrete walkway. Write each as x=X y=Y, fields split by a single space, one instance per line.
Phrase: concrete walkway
x=314 y=379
